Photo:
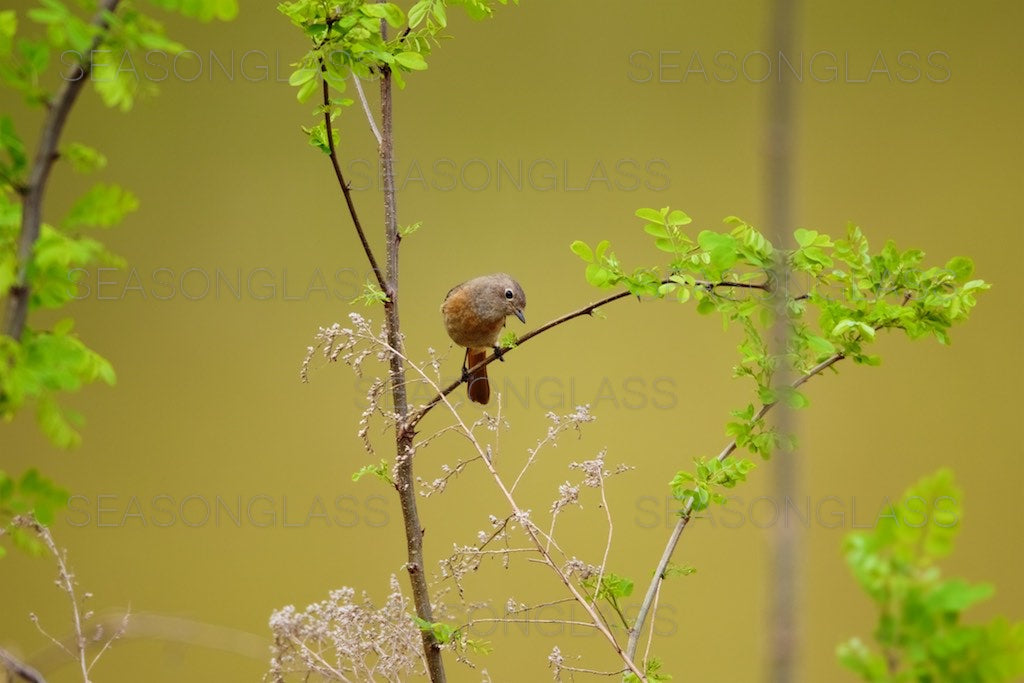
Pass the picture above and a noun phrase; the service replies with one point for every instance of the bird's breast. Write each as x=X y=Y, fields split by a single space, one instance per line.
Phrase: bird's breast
x=467 y=325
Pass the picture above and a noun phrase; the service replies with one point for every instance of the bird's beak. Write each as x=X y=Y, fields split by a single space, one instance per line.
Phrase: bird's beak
x=519 y=314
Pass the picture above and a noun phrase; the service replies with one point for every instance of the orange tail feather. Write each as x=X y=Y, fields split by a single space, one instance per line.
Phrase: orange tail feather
x=478 y=387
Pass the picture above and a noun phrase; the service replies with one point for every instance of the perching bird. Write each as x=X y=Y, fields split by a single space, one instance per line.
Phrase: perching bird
x=474 y=313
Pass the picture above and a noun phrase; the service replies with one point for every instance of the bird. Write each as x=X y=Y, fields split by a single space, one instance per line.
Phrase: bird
x=474 y=313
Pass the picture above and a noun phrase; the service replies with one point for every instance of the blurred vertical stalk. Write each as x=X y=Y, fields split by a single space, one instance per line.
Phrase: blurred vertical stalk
x=784 y=574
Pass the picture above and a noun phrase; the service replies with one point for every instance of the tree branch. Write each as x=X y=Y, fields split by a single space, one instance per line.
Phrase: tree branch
x=345 y=189
x=586 y=310
x=32 y=209
x=405 y=480
x=366 y=109
x=684 y=518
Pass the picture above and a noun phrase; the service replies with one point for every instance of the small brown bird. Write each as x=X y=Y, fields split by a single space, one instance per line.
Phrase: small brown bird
x=474 y=313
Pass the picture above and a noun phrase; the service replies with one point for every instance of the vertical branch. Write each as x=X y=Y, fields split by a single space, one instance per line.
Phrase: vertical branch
x=32 y=208
x=404 y=479
x=783 y=575
x=387 y=279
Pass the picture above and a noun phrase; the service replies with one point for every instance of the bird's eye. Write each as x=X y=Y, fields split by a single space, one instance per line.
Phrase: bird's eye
x=508 y=293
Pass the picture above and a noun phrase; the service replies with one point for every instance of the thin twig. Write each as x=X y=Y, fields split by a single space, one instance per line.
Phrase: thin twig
x=506 y=620
x=592 y=672
x=121 y=629
x=684 y=518
x=366 y=108
x=552 y=434
x=32 y=208
x=66 y=582
x=589 y=309
x=650 y=632
x=608 y=543
x=502 y=551
x=345 y=189
x=542 y=605
x=338 y=674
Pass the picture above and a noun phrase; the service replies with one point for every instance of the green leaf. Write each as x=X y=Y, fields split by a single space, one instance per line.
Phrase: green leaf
x=117 y=87
x=318 y=137
x=34 y=55
x=418 y=12
x=960 y=268
x=817 y=256
x=39 y=496
x=204 y=10
x=56 y=424
x=856 y=657
x=847 y=325
x=440 y=15
x=55 y=254
x=920 y=625
x=306 y=91
x=721 y=248
x=8 y=27
x=82 y=158
x=387 y=11
x=13 y=148
x=651 y=216
x=410 y=229
x=673 y=570
x=380 y=470
x=666 y=244
x=411 y=60
x=805 y=238
x=612 y=586
x=820 y=345
x=597 y=275
x=102 y=206
x=300 y=76
x=677 y=218
x=476 y=9
x=444 y=633
x=581 y=249
x=656 y=229
x=372 y=294
x=957 y=595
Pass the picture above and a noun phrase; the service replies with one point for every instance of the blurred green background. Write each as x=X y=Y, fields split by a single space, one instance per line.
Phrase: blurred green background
x=501 y=146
